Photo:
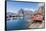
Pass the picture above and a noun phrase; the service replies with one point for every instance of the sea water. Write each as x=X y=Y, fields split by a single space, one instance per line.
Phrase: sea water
x=19 y=23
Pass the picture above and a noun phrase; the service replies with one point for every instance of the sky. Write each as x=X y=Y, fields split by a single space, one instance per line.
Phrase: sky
x=13 y=6
x=29 y=0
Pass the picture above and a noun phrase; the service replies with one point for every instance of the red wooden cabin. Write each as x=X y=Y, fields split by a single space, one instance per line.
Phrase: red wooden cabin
x=37 y=17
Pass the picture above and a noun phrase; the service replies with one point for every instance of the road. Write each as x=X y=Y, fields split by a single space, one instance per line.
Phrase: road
x=37 y=25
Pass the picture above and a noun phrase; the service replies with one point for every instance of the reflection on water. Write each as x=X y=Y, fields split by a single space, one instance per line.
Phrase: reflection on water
x=18 y=23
